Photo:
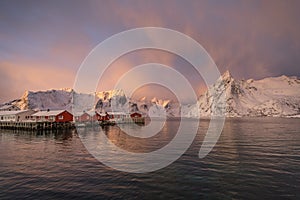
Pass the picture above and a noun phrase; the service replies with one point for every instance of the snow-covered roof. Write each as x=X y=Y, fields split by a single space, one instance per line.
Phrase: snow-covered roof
x=48 y=113
x=91 y=113
x=78 y=114
x=101 y=114
x=138 y=112
x=116 y=113
x=12 y=112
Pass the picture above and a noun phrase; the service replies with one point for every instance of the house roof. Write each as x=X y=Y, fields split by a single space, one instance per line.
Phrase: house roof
x=48 y=113
x=137 y=112
x=90 y=113
x=13 y=112
x=101 y=114
x=78 y=114
x=117 y=113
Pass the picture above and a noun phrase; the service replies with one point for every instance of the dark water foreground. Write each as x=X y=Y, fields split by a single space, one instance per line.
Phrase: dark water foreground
x=254 y=158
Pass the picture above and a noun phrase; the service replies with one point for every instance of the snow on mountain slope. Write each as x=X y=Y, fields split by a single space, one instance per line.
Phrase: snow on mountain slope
x=279 y=96
x=275 y=96
x=156 y=107
x=113 y=100
x=42 y=100
x=82 y=102
x=116 y=100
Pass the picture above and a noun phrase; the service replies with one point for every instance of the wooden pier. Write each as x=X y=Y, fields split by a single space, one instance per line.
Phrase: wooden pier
x=31 y=126
x=138 y=120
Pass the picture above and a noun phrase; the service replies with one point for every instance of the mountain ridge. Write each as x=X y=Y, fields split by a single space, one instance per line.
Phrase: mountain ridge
x=271 y=96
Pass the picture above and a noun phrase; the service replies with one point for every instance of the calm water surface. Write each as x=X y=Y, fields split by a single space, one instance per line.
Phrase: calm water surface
x=254 y=158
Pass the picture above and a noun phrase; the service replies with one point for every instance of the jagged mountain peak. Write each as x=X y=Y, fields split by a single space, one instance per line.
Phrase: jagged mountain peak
x=109 y=94
x=224 y=83
x=273 y=96
x=226 y=74
x=26 y=93
x=154 y=100
x=143 y=99
x=226 y=77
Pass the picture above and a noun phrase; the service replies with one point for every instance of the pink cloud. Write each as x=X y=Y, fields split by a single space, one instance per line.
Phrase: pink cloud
x=22 y=75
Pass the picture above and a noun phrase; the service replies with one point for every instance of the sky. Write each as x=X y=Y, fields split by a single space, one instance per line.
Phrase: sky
x=43 y=43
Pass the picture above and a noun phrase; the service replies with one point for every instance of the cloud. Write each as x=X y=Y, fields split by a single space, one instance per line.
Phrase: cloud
x=252 y=39
x=17 y=77
x=129 y=61
x=39 y=40
x=70 y=49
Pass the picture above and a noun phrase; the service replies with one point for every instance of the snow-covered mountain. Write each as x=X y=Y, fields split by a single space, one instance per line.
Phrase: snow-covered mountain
x=155 y=107
x=275 y=96
x=114 y=100
x=49 y=99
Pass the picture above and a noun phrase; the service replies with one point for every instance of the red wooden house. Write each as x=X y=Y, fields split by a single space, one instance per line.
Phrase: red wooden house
x=82 y=117
x=120 y=117
x=89 y=116
x=95 y=116
x=52 y=116
x=103 y=116
x=135 y=115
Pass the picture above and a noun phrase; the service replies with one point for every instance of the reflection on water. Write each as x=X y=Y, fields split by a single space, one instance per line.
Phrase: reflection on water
x=253 y=158
x=119 y=137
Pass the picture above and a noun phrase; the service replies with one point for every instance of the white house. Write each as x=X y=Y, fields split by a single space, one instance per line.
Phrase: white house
x=118 y=117
x=52 y=116
x=16 y=115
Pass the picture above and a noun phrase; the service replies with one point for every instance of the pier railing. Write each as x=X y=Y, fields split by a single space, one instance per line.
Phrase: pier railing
x=29 y=125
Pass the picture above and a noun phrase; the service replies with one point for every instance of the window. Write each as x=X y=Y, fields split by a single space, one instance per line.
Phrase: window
x=60 y=117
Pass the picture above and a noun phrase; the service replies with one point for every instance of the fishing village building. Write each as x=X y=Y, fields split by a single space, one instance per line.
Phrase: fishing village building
x=82 y=117
x=87 y=116
x=62 y=119
x=16 y=115
x=52 y=116
x=121 y=117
